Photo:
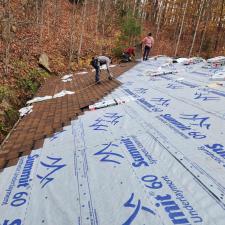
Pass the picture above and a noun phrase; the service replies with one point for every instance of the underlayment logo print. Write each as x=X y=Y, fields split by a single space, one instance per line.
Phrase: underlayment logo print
x=150 y=107
x=110 y=153
x=128 y=91
x=140 y=91
x=148 y=155
x=25 y=176
x=185 y=204
x=51 y=166
x=191 y=121
x=154 y=104
x=217 y=92
x=172 y=209
x=134 y=152
x=56 y=135
x=161 y=101
x=218 y=149
x=188 y=84
x=175 y=122
x=205 y=97
x=138 y=208
x=20 y=197
x=14 y=222
x=13 y=181
x=174 y=86
x=106 y=121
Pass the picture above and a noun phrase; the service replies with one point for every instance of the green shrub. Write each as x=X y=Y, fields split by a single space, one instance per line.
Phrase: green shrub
x=117 y=52
x=28 y=85
x=6 y=93
x=11 y=116
x=130 y=27
x=32 y=80
x=207 y=45
x=3 y=129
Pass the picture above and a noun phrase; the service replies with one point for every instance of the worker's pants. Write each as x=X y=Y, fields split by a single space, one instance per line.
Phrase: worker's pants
x=126 y=57
x=97 y=74
x=146 y=53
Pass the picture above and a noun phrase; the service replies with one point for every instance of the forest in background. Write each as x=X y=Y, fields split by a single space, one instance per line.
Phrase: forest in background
x=70 y=32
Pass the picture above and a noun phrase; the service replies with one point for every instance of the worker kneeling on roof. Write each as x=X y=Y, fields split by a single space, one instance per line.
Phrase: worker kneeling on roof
x=98 y=61
x=128 y=54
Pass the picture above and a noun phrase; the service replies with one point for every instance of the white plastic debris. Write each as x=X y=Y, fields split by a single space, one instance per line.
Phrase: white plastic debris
x=148 y=72
x=39 y=99
x=67 y=78
x=166 y=65
x=104 y=67
x=25 y=110
x=217 y=59
x=219 y=76
x=182 y=60
x=193 y=60
x=216 y=62
x=180 y=78
x=83 y=72
x=158 y=56
x=63 y=93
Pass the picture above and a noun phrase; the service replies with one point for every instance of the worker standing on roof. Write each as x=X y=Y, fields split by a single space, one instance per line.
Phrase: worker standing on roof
x=98 y=61
x=148 y=42
x=128 y=54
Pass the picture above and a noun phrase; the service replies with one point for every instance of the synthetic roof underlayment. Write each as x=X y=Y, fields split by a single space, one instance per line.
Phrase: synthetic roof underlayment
x=158 y=158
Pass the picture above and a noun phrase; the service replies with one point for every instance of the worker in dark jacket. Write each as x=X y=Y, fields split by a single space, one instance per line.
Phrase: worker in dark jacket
x=98 y=61
x=128 y=54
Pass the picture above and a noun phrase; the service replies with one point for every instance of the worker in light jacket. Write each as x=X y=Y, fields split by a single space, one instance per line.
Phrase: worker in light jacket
x=148 y=42
x=98 y=61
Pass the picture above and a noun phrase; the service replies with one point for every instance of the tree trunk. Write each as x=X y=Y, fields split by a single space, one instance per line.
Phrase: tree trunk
x=196 y=29
x=219 y=25
x=72 y=35
x=82 y=30
x=181 y=28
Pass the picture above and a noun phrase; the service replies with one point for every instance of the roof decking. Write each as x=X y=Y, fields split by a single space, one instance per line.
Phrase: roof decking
x=50 y=116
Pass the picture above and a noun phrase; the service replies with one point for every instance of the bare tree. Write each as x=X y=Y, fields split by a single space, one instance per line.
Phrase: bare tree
x=7 y=35
x=219 y=27
x=181 y=28
x=72 y=34
x=82 y=29
x=197 y=25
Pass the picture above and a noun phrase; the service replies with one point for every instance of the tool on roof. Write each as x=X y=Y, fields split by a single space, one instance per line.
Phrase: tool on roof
x=111 y=102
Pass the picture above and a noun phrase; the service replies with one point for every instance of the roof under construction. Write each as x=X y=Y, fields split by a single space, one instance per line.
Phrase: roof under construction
x=151 y=152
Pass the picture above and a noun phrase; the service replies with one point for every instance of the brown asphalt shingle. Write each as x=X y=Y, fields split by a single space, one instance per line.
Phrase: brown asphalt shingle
x=50 y=116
